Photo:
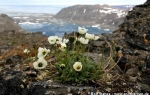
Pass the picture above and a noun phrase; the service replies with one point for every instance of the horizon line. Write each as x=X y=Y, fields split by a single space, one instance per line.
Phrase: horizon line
x=70 y=4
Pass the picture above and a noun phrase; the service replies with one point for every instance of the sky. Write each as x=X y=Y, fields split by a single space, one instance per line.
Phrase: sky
x=70 y=2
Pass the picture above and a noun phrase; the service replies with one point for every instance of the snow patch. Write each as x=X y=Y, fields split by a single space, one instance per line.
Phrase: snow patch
x=96 y=25
x=107 y=8
x=16 y=17
x=74 y=13
x=84 y=10
x=94 y=10
x=106 y=29
x=25 y=17
x=130 y=9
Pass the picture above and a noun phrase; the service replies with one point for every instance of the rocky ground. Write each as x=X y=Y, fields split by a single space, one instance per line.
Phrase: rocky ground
x=18 y=77
x=130 y=75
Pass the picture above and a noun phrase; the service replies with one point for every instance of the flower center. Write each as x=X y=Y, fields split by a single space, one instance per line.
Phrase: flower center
x=78 y=67
x=64 y=47
x=44 y=52
x=40 y=64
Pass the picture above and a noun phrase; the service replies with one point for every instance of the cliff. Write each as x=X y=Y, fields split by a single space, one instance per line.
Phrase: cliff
x=136 y=26
x=103 y=16
x=6 y=23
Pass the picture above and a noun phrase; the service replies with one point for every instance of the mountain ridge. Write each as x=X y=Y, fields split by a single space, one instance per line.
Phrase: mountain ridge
x=7 y=23
x=102 y=16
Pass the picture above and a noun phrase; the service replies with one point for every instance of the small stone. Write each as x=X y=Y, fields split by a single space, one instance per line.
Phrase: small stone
x=31 y=73
x=108 y=89
x=144 y=87
x=17 y=66
x=132 y=72
x=40 y=77
x=133 y=79
x=108 y=83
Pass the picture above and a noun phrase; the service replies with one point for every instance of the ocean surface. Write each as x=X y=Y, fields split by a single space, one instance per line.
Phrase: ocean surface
x=59 y=29
x=47 y=28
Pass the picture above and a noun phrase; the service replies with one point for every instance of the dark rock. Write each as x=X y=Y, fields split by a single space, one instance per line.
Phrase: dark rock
x=14 y=59
x=131 y=52
x=144 y=87
x=11 y=74
x=145 y=76
x=53 y=88
x=122 y=62
x=99 y=43
x=9 y=61
x=136 y=27
x=93 y=56
x=98 y=46
x=39 y=90
x=147 y=62
x=13 y=86
x=137 y=45
x=31 y=72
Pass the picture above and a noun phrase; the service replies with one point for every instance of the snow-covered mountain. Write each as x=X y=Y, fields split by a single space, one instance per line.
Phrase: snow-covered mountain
x=103 y=16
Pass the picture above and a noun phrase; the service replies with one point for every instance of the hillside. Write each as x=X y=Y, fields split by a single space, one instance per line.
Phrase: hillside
x=103 y=16
x=6 y=23
x=136 y=26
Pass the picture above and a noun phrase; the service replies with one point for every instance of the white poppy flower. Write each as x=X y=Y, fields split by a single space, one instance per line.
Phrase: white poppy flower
x=62 y=47
x=52 y=39
x=65 y=41
x=26 y=51
x=82 y=30
x=96 y=37
x=42 y=52
x=77 y=66
x=62 y=65
x=58 y=40
x=83 y=40
x=40 y=64
x=89 y=36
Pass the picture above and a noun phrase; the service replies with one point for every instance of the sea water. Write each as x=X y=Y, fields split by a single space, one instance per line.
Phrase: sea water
x=59 y=30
